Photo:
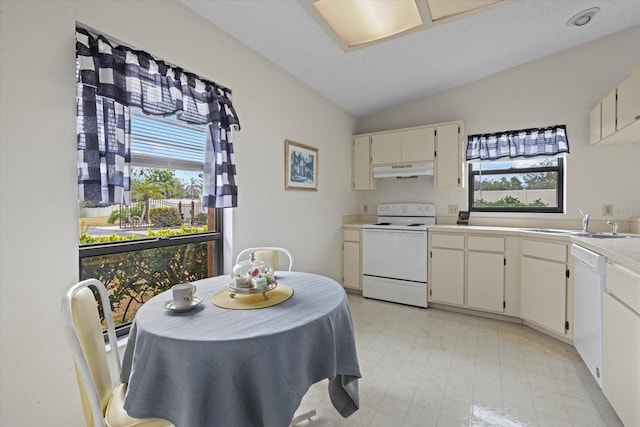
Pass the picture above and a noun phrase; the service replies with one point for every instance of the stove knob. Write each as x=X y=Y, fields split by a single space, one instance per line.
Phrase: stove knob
x=422 y=208
x=404 y=207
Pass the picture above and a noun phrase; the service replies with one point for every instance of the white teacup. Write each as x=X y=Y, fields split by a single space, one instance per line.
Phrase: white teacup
x=183 y=294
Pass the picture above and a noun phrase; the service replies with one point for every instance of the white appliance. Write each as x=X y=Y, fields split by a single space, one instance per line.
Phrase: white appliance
x=406 y=170
x=394 y=253
x=589 y=269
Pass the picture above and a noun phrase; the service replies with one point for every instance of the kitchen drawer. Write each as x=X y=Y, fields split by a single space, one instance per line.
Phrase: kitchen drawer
x=624 y=284
x=551 y=251
x=489 y=244
x=447 y=241
x=351 y=235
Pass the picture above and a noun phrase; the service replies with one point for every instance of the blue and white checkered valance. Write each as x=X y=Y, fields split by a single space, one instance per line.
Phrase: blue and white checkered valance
x=518 y=143
x=126 y=78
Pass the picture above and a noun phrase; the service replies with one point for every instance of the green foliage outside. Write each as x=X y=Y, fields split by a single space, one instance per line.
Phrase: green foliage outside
x=126 y=214
x=153 y=183
x=508 y=201
x=532 y=181
x=529 y=181
x=165 y=217
x=134 y=277
x=164 y=183
x=184 y=229
x=502 y=184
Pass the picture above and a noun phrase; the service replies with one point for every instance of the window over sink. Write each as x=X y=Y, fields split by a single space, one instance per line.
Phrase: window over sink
x=517 y=171
x=524 y=185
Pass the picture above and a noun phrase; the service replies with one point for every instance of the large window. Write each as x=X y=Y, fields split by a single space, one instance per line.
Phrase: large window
x=161 y=176
x=163 y=236
x=517 y=185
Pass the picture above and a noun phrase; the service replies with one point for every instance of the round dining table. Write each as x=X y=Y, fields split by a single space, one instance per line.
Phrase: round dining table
x=212 y=366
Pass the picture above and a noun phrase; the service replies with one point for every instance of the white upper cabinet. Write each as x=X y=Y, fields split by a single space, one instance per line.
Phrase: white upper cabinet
x=411 y=145
x=386 y=148
x=448 y=164
x=608 y=115
x=629 y=100
x=437 y=143
x=362 y=176
x=616 y=118
x=595 y=123
x=418 y=144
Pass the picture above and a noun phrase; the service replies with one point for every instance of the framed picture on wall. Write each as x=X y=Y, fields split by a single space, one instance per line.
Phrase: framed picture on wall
x=300 y=166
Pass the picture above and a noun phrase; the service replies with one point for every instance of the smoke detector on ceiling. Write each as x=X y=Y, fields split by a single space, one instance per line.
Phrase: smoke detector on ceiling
x=583 y=18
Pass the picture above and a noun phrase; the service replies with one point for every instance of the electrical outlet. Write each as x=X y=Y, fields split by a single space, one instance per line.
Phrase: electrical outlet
x=365 y=208
x=452 y=209
x=607 y=210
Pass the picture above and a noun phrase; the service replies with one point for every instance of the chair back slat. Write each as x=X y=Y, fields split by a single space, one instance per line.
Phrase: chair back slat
x=269 y=256
x=267 y=253
x=83 y=329
x=89 y=331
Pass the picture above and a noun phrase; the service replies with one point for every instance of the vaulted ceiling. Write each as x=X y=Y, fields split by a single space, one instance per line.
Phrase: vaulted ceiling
x=419 y=63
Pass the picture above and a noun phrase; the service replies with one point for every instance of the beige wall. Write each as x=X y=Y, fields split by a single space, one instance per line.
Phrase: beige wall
x=39 y=219
x=38 y=247
x=558 y=89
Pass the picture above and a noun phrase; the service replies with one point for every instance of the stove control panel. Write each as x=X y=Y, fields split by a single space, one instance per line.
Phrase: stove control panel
x=406 y=209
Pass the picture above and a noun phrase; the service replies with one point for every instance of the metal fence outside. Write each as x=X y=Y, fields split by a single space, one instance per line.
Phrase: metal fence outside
x=135 y=215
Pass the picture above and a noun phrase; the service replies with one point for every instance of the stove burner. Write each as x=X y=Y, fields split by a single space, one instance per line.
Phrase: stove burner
x=415 y=225
x=383 y=223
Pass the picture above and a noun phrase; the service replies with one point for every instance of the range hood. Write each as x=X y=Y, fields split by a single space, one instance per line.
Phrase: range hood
x=406 y=170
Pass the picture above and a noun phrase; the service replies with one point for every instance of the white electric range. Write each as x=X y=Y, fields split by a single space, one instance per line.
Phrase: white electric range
x=394 y=253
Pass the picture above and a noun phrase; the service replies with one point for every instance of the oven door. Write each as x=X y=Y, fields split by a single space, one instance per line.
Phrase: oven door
x=395 y=254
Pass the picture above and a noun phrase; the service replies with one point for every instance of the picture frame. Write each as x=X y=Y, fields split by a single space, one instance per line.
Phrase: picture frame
x=300 y=166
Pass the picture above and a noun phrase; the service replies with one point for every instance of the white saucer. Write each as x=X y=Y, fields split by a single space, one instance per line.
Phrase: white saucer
x=170 y=306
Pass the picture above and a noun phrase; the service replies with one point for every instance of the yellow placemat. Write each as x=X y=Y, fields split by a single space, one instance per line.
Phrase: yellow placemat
x=280 y=294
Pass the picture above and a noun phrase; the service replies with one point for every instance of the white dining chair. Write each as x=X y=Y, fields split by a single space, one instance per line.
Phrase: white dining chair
x=267 y=253
x=101 y=391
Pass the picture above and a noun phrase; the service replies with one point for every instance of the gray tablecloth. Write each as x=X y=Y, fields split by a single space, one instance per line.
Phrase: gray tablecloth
x=217 y=367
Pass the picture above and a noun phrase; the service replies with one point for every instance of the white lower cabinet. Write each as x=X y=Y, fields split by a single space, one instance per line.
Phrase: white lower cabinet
x=351 y=259
x=447 y=276
x=467 y=270
x=621 y=343
x=621 y=359
x=543 y=284
x=485 y=287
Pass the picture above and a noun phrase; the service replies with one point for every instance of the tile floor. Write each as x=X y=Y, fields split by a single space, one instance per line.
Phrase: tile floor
x=438 y=368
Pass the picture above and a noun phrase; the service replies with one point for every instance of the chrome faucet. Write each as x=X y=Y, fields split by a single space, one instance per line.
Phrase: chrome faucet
x=585 y=221
x=614 y=227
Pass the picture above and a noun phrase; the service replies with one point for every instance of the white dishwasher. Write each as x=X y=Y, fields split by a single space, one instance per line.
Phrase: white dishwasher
x=589 y=270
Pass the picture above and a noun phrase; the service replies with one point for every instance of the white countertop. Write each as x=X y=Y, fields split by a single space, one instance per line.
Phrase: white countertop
x=625 y=252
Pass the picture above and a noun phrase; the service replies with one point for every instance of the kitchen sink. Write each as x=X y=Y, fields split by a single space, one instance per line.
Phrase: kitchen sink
x=580 y=233
x=609 y=236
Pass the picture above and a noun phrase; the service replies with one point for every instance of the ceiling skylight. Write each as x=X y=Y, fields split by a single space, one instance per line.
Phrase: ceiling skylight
x=442 y=9
x=363 y=21
x=360 y=22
